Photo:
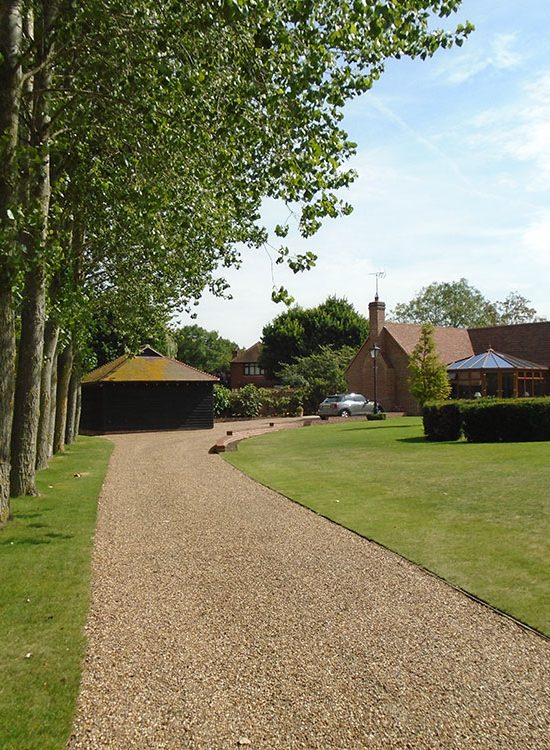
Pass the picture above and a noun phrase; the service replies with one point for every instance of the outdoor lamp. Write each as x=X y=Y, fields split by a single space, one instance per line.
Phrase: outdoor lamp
x=374 y=352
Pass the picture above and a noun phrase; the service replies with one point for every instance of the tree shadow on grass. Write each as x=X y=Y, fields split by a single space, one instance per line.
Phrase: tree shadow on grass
x=423 y=440
x=32 y=540
x=384 y=427
x=48 y=538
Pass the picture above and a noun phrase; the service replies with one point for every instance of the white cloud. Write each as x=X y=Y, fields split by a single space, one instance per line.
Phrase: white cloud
x=498 y=55
x=520 y=131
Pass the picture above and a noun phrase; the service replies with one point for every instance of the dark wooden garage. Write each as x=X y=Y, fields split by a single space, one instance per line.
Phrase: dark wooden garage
x=146 y=392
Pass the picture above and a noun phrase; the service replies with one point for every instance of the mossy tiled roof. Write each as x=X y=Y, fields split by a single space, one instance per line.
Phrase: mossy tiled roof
x=146 y=367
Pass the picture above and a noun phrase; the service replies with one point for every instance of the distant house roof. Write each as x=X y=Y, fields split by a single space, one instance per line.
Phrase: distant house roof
x=147 y=366
x=249 y=355
x=491 y=360
x=451 y=343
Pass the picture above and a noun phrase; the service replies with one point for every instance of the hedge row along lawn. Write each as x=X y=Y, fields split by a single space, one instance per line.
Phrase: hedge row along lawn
x=475 y=514
x=44 y=597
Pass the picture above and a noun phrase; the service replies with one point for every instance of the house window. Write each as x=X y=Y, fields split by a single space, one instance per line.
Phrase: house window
x=253 y=368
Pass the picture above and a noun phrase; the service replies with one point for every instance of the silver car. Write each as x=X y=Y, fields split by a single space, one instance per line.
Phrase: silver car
x=346 y=405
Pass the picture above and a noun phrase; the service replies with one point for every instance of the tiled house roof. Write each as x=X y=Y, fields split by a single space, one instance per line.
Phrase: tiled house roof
x=451 y=343
x=249 y=355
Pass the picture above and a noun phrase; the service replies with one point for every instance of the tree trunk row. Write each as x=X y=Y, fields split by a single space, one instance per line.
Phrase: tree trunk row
x=39 y=387
x=11 y=24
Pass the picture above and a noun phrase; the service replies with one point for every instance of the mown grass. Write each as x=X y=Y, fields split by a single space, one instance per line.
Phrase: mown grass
x=44 y=598
x=475 y=514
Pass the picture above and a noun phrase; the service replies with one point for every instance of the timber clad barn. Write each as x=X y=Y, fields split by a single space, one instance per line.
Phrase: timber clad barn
x=146 y=392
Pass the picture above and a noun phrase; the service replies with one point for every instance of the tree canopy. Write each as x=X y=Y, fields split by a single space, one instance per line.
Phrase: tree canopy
x=205 y=350
x=138 y=140
x=318 y=374
x=460 y=305
x=300 y=332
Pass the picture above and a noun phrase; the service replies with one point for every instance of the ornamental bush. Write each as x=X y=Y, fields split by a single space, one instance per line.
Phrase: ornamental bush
x=279 y=402
x=251 y=401
x=442 y=420
x=221 y=400
x=245 y=401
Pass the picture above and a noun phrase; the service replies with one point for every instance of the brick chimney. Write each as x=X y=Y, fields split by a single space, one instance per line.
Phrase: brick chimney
x=377 y=318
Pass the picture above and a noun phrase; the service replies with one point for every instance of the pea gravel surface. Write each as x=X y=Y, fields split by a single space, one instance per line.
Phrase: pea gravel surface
x=224 y=615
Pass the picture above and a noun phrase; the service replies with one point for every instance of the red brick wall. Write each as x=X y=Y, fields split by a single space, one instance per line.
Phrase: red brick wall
x=391 y=375
x=238 y=378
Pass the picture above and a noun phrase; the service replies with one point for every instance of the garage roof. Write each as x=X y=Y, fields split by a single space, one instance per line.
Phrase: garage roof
x=146 y=366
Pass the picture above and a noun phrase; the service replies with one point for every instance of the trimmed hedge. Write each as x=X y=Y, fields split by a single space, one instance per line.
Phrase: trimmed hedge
x=508 y=421
x=442 y=420
x=489 y=420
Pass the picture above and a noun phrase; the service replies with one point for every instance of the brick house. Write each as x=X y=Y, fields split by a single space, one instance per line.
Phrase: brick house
x=528 y=341
x=245 y=369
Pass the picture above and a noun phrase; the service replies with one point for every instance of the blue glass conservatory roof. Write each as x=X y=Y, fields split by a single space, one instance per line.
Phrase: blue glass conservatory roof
x=491 y=360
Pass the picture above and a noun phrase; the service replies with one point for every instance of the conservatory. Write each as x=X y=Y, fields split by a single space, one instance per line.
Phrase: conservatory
x=492 y=373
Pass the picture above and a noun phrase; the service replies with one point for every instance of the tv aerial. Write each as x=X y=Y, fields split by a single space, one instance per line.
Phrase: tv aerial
x=378 y=275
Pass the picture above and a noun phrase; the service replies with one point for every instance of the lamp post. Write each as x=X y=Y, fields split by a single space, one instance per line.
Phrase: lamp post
x=374 y=352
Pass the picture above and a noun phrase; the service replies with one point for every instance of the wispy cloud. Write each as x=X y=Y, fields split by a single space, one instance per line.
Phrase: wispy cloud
x=520 y=131
x=499 y=55
x=417 y=136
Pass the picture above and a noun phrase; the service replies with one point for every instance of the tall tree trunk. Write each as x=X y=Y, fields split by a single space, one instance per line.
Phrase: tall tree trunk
x=29 y=368
x=53 y=403
x=74 y=383
x=7 y=386
x=51 y=334
x=64 y=368
x=27 y=391
x=10 y=98
x=78 y=410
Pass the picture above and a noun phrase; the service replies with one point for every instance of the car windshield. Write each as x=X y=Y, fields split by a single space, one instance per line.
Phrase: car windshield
x=333 y=399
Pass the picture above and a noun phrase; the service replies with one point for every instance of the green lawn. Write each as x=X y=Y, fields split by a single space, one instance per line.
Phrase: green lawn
x=44 y=598
x=475 y=514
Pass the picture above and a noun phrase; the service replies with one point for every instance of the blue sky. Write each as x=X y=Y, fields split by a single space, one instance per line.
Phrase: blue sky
x=454 y=181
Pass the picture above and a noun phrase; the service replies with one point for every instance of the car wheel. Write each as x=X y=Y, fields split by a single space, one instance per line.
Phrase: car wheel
x=345 y=413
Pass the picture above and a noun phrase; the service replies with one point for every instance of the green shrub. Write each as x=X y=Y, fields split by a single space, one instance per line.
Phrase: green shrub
x=245 y=401
x=221 y=400
x=251 y=401
x=506 y=420
x=279 y=402
x=442 y=420
x=489 y=420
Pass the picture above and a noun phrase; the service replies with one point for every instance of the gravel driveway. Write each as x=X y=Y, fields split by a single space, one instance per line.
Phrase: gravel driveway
x=225 y=616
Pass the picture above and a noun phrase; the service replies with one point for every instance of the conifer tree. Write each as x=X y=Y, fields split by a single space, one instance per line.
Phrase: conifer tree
x=428 y=380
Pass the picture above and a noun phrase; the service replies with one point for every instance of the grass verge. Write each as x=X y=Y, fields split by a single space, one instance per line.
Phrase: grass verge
x=44 y=598
x=475 y=514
